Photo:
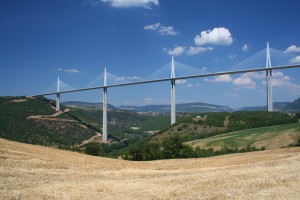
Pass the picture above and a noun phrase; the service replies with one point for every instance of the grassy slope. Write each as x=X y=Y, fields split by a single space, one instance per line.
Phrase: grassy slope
x=14 y=124
x=270 y=137
x=35 y=172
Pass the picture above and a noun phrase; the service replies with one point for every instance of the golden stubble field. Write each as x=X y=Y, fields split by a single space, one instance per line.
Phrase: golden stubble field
x=35 y=172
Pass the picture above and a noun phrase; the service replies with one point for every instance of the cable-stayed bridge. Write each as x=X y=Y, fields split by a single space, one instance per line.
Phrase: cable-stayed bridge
x=267 y=60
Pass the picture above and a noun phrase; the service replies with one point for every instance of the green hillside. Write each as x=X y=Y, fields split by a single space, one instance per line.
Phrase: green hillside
x=32 y=120
x=15 y=124
x=271 y=137
x=68 y=128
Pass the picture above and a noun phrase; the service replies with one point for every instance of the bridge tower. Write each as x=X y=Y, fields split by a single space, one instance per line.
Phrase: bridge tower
x=173 y=96
x=104 y=102
x=57 y=97
x=269 y=80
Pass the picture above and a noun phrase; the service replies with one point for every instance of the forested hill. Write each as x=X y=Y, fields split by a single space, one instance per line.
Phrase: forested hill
x=31 y=120
x=293 y=107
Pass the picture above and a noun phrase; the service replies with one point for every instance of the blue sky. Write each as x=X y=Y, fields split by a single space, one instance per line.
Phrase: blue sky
x=75 y=39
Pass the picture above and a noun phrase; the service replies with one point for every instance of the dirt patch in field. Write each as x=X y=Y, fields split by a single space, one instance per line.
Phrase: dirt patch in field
x=18 y=100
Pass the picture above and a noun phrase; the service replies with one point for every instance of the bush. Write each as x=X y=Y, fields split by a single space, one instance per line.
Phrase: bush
x=92 y=149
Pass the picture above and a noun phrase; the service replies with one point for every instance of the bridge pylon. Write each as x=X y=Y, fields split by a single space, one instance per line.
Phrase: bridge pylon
x=173 y=93
x=269 y=80
x=104 y=102
x=57 y=97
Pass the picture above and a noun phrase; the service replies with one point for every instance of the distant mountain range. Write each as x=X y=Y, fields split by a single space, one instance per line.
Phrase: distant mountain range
x=192 y=107
x=86 y=104
x=185 y=107
x=278 y=106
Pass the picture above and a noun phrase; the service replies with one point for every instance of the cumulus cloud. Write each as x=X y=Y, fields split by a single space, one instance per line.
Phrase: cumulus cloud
x=284 y=82
x=247 y=79
x=295 y=60
x=245 y=48
x=128 y=78
x=254 y=75
x=167 y=30
x=217 y=36
x=279 y=79
x=161 y=29
x=293 y=48
x=178 y=50
x=196 y=50
x=129 y=3
x=245 y=82
x=223 y=78
x=153 y=27
x=181 y=81
x=277 y=74
x=70 y=71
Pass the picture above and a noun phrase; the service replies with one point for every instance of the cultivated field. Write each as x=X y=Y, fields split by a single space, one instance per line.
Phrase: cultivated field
x=271 y=137
x=35 y=172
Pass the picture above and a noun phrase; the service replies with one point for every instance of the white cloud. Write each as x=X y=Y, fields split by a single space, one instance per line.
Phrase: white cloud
x=284 y=82
x=255 y=75
x=128 y=78
x=71 y=71
x=287 y=85
x=218 y=36
x=279 y=79
x=196 y=50
x=176 y=51
x=189 y=85
x=277 y=74
x=245 y=48
x=161 y=29
x=245 y=82
x=153 y=27
x=293 y=48
x=223 y=78
x=295 y=60
x=167 y=30
x=131 y=3
x=181 y=81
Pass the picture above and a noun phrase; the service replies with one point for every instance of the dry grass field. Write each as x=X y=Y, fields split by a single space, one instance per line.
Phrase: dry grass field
x=35 y=172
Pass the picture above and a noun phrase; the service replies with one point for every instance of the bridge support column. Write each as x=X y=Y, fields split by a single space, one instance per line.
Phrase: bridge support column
x=104 y=126
x=57 y=97
x=269 y=81
x=173 y=94
x=104 y=102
